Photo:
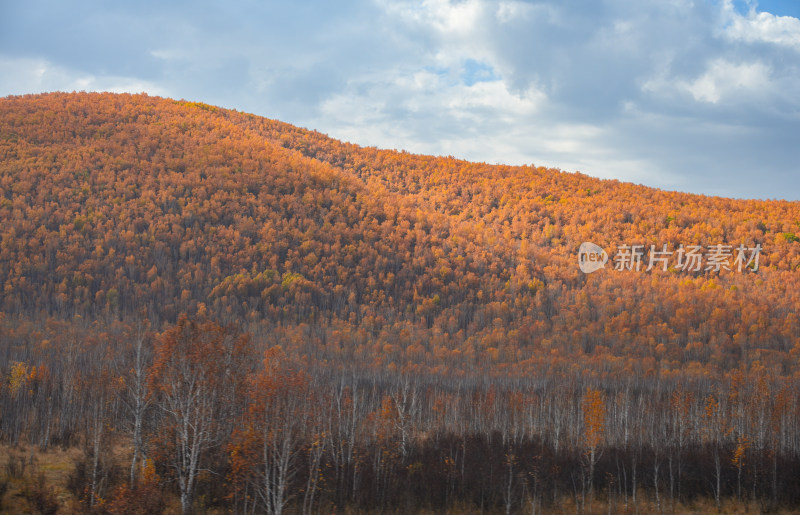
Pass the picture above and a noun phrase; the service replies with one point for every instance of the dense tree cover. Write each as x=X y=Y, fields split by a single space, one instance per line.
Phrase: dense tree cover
x=115 y=203
x=429 y=338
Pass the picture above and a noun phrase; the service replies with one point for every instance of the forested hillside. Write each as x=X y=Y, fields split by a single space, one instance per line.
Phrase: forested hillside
x=433 y=308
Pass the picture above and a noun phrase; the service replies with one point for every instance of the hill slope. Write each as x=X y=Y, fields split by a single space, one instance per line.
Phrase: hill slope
x=111 y=204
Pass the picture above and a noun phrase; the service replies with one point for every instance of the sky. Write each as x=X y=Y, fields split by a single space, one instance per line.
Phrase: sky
x=700 y=96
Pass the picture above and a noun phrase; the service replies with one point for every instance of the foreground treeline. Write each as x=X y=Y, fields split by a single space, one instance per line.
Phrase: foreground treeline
x=210 y=416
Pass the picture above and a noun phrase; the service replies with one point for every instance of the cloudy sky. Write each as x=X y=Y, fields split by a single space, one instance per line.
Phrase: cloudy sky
x=700 y=96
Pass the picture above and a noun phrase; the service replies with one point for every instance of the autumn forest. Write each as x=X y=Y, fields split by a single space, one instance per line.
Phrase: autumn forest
x=209 y=311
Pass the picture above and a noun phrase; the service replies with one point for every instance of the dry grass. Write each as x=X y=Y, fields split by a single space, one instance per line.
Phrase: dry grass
x=26 y=471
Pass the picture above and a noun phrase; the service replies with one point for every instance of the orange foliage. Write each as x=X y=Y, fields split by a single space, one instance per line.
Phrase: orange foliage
x=109 y=203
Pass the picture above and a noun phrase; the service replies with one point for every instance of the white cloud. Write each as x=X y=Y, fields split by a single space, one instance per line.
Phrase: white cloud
x=26 y=75
x=495 y=96
x=447 y=17
x=415 y=101
x=723 y=79
x=755 y=27
x=459 y=30
x=513 y=10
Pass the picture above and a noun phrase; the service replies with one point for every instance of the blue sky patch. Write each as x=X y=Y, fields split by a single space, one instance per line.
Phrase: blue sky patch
x=780 y=7
x=474 y=72
x=776 y=7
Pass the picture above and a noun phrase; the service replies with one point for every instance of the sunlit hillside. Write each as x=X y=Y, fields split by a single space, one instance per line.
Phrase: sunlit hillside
x=115 y=203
